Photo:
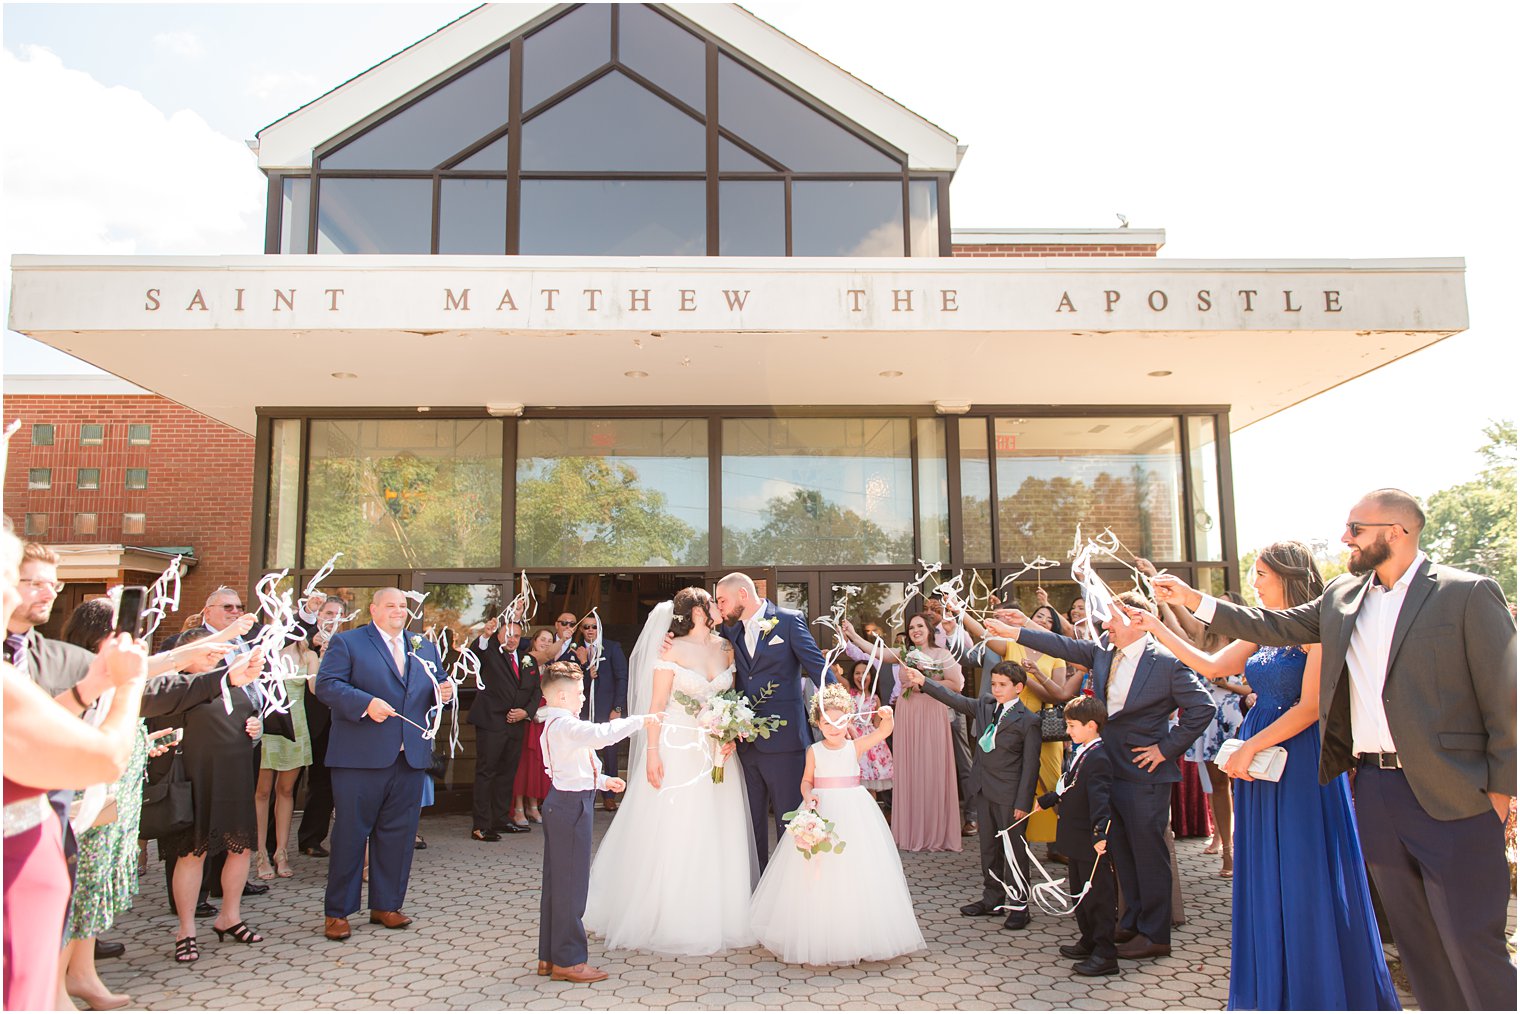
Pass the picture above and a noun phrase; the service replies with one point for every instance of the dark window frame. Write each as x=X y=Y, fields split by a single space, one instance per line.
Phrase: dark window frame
x=518 y=117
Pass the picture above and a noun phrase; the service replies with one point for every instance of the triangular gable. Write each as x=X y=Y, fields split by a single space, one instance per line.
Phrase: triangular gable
x=288 y=143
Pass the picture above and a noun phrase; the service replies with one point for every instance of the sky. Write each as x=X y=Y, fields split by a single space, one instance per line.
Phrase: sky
x=1290 y=130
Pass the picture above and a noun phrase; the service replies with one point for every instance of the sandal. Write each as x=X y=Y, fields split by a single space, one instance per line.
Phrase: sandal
x=534 y=816
x=185 y=951
x=1212 y=848
x=265 y=871
x=241 y=933
x=282 y=864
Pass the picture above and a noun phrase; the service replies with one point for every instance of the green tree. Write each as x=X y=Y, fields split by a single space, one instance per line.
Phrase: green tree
x=592 y=512
x=806 y=528
x=1472 y=525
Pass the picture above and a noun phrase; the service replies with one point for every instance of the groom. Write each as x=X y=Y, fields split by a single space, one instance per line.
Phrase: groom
x=771 y=649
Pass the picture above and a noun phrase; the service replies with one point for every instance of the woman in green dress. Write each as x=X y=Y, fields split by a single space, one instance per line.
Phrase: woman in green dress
x=281 y=764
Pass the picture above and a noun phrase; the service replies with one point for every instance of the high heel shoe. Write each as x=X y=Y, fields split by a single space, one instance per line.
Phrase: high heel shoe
x=1212 y=848
x=105 y=1001
x=534 y=817
x=185 y=951
x=265 y=871
x=239 y=932
x=282 y=864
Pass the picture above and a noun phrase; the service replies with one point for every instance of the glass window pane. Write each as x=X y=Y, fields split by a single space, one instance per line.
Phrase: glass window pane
x=36 y=524
x=566 y=51
x=85 y=524
x=870 y=611
x=284 y=488
x=668 y=55
x=614 y=124
x=923 y=211
x=435 y=128
x=457 y=608
x=794 y=595
x=787 y=130
x=139 y=434
x=404 y=493
x=295 y=214
x=92 y=434
x=375 y=216
x=134 y=524
x=976 y=492
x=42 y=434
x=863 y=218
x=39 y=478
x=752 y=218
x=612 y=492
x=933 y=491
x=614 y=217
x=137 y=478
x=1203 y=452
x=817 y=491
x=1123 y=474
x=89 y=478
x=732 y=158
x=472 y=217
x=491 y=158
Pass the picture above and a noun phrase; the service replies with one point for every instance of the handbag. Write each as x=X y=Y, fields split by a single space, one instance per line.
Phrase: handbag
x=1053 y=723
x=168 y=804
x=279 y=723
x=1267 y=765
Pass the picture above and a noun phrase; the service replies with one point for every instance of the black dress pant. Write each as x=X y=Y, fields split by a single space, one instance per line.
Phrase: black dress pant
x=567 y=877
x=316 y=818
x=497 y=752
x=1096 y=912
x=1137 y=845
x=992 y=818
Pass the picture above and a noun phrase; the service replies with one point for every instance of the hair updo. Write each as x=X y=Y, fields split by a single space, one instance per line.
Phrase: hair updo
x=684 y=606
x=832 y=696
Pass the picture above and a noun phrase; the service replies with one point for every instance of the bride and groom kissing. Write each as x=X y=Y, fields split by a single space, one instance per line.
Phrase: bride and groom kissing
x=675 y=871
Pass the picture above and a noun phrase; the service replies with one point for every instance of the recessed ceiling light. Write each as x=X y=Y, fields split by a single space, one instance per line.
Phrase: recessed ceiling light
x=1159 y=373
x=343 y=375
x=636 y=374
x=889 y=374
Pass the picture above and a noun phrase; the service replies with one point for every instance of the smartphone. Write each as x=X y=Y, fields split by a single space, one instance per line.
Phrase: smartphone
x=129 y=610
x=172 y=739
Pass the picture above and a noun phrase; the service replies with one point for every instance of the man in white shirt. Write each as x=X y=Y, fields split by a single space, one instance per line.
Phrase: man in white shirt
x=1417 y=693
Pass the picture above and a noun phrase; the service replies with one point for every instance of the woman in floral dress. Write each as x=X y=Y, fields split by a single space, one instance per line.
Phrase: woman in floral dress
x=875 y=763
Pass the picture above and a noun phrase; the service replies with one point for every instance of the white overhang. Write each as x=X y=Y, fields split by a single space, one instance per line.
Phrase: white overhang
x=287 y=144
x=105 y=562
x=229 y=335
x=1059 y=237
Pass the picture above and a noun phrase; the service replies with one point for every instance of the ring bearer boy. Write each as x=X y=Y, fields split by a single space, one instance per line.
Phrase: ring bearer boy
x=1005 y=762
x=569 y=747
x=1082 y=836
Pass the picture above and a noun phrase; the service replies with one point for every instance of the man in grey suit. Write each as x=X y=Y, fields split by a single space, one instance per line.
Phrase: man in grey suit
x=1417 y=693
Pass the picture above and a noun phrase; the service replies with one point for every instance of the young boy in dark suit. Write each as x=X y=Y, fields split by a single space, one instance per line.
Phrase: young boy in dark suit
x=1005 y=762
x=1082 y=834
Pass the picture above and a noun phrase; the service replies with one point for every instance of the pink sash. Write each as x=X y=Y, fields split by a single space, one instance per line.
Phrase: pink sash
x=837 y=782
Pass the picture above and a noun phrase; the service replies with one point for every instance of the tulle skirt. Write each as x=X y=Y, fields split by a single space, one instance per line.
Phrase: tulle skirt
x=837 y=909
x=673 y=874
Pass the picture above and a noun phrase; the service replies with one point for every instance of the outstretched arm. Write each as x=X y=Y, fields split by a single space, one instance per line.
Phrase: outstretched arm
x=1278 y=627
x=1229 y=661
x=949 y=698
x=876 y=735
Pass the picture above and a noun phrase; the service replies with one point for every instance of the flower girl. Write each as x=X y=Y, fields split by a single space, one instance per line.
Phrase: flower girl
x=833 y=892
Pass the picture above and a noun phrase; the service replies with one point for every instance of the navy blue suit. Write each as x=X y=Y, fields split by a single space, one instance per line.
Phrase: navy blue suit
x=773 y=767
x=377 y=768
x=611 y=686
x=1141 y=799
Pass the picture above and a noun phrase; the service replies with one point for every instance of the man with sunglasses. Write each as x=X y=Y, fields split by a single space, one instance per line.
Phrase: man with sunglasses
x=1417 y=694
x=606 y=686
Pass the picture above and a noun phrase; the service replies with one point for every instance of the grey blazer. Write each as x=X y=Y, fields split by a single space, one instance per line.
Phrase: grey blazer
x=1450 y=689
x=55 y=665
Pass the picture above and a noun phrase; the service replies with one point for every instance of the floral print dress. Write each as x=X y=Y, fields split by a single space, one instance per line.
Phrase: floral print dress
x=875 y=763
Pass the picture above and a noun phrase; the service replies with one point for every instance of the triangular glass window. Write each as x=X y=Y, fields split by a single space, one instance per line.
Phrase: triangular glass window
x=566 y=51
x=434 y=128
x=734 y=159
x=491 y=158
x=788 y=130
x=613 y=124
x=669 y=56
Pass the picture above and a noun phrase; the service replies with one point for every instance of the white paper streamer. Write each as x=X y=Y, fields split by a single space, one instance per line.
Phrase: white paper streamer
x=163 y=598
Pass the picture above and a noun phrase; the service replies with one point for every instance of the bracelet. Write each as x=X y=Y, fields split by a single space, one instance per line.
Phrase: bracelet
x=80 y=700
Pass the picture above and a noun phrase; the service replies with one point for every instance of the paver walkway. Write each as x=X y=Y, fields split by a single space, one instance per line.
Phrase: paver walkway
x=474 y=941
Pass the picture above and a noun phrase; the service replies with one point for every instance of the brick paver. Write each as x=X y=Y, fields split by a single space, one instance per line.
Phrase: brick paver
x=474 y=941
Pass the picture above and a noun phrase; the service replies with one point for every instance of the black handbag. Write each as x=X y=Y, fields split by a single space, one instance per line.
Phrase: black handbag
x=278 y=723
x=1053 y=723
x=168 y=805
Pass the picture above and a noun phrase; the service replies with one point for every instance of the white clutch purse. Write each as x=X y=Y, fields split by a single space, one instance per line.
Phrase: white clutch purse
x=1267 y=765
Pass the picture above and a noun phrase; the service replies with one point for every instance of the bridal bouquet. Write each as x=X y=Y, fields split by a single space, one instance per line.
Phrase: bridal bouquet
x=811 y=833
x=931 y=669
x=728 y=717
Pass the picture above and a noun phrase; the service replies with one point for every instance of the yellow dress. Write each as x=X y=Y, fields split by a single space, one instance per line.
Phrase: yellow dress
x=1042 y=826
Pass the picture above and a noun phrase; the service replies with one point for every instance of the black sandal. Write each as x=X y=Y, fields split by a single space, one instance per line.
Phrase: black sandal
x=185 y=951
x=241 y=933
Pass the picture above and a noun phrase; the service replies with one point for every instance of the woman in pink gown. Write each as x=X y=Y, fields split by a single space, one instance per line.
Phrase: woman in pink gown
x=926 y=813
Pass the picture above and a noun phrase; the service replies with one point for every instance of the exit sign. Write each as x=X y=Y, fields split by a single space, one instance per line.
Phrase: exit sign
x=1006 y=441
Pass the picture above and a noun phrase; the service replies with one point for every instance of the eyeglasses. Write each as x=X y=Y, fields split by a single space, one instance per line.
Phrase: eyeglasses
x=564 y=623
x=54 y=586
x=231 y=607
x=1355 y=527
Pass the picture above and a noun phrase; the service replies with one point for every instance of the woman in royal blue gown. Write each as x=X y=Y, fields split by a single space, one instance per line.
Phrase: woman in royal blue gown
x=1303 y=935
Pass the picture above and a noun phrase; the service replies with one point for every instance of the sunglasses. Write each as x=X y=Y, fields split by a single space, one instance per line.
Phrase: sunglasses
x=1355 y=527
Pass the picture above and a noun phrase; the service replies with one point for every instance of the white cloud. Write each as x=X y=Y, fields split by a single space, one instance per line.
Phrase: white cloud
x=181 y=43
x=91 y=169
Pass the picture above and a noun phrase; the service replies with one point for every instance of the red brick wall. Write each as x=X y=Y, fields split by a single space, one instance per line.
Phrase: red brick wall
x=1052 y=250
x=200 y=481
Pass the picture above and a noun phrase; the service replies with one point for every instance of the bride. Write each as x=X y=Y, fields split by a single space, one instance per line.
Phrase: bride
x=675 y=871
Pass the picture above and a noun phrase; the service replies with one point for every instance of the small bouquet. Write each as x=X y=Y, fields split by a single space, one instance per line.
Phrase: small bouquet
x=728 y=717
x=931 y=669
x=812 y=833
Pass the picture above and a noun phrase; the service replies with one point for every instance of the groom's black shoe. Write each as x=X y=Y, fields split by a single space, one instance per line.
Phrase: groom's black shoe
x=1094 y=965
x=1075 y=951
x=978 y=908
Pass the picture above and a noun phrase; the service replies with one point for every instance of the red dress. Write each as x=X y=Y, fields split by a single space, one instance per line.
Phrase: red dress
x=532 y=780
x=36 y=899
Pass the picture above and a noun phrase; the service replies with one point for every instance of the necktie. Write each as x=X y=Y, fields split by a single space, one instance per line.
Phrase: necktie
x=398 y=655
x=15 y=651
x=989 y=735
x=752 y=634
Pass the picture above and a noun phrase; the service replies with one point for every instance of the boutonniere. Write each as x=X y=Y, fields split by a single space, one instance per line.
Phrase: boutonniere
x=416 y=641
x=768 y=624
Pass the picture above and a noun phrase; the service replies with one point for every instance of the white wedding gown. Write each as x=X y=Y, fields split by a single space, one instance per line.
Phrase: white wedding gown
x=674 y=872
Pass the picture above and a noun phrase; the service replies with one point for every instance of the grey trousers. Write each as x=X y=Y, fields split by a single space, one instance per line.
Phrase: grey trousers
x=567 y=876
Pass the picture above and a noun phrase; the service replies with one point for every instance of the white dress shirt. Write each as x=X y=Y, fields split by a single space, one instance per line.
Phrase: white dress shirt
x=1122 y=673
x=1366 y=657
x=570 y=745
x=752 y=630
